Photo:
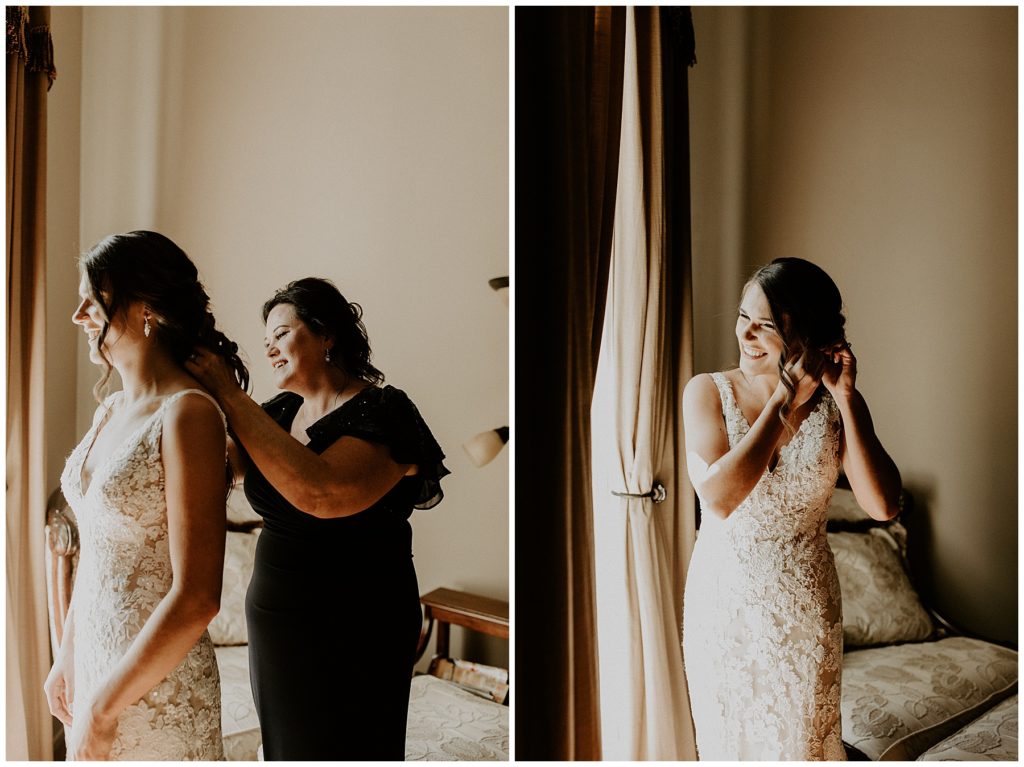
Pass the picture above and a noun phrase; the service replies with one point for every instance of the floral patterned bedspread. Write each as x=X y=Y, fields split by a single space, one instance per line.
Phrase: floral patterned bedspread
x=991 y=737
x=450 y=724
x=899 y=701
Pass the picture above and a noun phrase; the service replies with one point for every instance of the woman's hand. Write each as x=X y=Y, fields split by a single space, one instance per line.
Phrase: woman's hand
x=212 y=371
x=806 y=374
x=60 y=691
x=840 y=372
x=93 y=739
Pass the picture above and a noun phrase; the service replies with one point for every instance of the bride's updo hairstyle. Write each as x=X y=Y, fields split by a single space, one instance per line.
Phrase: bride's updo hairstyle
x=148 y=267
x=325 y=311
x=807 y=311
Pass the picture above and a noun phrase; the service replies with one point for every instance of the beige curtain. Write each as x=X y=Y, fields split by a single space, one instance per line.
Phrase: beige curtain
x=642 y=546
x=30 y=73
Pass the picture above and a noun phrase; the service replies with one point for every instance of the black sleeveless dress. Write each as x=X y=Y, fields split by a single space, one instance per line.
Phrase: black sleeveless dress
x=333 y=606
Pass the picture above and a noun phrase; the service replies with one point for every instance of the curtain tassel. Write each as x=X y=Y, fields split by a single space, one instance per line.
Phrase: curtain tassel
x=656 y=493
x=40 y=53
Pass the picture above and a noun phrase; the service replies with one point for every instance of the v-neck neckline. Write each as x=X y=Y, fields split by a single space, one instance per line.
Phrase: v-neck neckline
x=329 y=413
x=772 y=470
x=117 y=448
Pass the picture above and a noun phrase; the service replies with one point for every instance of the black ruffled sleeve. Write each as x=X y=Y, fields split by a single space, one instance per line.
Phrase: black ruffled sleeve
x=387 y=416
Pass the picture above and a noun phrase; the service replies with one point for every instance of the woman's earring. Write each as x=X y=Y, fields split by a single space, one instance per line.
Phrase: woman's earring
x=146 y=328
x=327 y=354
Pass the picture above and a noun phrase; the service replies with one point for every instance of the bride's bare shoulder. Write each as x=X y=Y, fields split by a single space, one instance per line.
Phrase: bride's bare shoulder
x=701 y=392
x=706 y=381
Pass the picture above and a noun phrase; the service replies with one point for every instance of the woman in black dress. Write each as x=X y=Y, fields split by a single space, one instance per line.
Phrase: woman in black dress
x=335 y=464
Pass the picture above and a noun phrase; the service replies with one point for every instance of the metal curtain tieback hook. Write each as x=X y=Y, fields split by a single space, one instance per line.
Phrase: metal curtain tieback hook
x=656 y=493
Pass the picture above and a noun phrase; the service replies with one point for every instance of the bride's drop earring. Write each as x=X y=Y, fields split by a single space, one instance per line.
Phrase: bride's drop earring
x=327 y=354
x=146 y=328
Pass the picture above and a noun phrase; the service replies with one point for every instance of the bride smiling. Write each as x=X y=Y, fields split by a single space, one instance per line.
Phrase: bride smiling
x=762 y=617
x=136 y=677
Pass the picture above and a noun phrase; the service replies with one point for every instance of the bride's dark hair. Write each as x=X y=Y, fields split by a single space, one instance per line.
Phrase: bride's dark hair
x=807 y=310
x=149 y=267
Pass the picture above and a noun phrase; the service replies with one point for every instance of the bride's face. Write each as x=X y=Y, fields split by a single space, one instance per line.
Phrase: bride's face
x=759 y=340
x=91 y=317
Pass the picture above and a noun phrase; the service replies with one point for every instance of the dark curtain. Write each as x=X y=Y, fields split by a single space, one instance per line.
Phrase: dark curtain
x=30 y=72
x=678 y=53
x=568 y=113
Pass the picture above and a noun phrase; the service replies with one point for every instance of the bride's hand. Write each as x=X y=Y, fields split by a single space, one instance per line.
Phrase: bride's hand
x=806 y=375
x=840 y=372
x=93 y=739
x=60 y=691
x=212 y=371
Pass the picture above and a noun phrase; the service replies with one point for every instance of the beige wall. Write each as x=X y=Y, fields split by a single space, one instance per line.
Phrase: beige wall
x=882 y=144
x=720 y=103
x=369 y=146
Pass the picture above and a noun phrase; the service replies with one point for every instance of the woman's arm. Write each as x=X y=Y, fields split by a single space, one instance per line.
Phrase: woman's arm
x=874 y=477
x=348 y=477
x=722 y=477
x=59 y=686
x=193 y=453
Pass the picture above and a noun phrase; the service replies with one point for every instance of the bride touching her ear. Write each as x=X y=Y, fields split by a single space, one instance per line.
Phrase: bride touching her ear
x=762 y=617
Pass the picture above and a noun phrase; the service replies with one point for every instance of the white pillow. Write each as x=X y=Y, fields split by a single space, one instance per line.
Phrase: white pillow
x=879 y=604
x=844 y=507
x=228 y=628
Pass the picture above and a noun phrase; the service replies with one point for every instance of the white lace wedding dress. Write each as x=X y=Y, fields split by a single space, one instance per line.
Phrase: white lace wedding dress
x=762 y=617
x=123 y=572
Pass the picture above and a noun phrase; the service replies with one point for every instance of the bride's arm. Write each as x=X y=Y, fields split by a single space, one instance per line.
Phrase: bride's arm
x=874 y=477
x=723 y=478
x=59 y=686
x=193 y=451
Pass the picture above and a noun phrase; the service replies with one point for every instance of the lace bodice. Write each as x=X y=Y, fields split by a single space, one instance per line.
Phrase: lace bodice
x=124 y=571
x=762 y=628
x=791 y=500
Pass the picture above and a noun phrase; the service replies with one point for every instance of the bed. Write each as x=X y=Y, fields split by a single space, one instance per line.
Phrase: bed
x=457 y=711
x=914 y=687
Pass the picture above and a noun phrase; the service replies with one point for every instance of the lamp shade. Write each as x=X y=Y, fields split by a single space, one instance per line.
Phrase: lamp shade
x=500 y=284
x=483 y=448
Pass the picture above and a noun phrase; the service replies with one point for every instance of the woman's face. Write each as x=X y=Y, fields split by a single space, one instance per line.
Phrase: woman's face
x=759 y=340
x=292 y=348
x=91 y=317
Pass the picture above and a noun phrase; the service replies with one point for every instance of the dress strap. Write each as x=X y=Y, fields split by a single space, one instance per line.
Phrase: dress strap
x=735 y=422
x=724 y=390
x=179 y=394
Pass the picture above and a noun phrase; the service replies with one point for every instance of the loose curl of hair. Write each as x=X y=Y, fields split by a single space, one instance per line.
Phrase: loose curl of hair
x=325 y=311
x=148 y=267
x=807 y=311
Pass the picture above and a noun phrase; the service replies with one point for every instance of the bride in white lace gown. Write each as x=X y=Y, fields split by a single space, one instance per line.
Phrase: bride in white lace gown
x=762 y=616
x=136 y=677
